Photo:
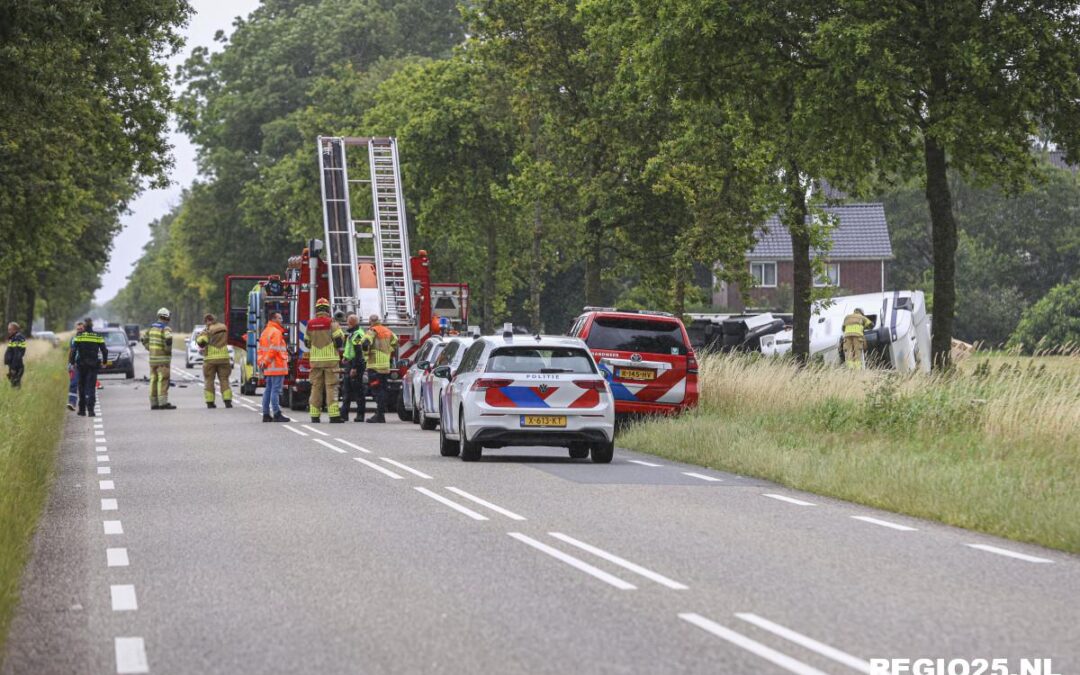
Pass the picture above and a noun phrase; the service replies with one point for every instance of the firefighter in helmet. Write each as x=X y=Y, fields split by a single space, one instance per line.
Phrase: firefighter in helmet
x=215 y=343
x=855 y=325
x=324 y=340
x=382 y=345
x=158 y=341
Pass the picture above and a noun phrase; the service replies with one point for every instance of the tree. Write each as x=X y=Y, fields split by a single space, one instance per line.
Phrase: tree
x=1052 y=323
x=940 y=85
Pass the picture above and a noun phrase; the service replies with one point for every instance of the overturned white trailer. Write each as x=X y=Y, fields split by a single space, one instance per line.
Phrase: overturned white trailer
x=900 y=338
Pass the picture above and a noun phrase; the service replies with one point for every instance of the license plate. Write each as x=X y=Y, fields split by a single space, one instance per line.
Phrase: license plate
x=543 y=420
x=636 y=374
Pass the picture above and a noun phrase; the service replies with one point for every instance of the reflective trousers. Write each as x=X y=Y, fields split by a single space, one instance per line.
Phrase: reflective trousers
x=324 y=383
x=222 y=371
x=159 y=385
x=854 y=350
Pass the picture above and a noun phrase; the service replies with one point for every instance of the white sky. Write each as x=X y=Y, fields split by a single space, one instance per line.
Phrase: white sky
x=210 y=17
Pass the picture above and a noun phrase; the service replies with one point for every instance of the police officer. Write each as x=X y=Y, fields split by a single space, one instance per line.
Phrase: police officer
x=382 y=344
x=13 y=356
x=87 y=353
x=324 y=339
x=354 y=365
x=158 y=341
x=855 y=325
x=215 y=343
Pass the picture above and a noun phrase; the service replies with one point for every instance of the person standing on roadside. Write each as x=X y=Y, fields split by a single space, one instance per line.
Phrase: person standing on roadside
x=13 y=355
x=273 y=361
x=353 y=364
x=382 y=344
x=158 y=341
x=324 y=340
x=87 y=353
x=73 y=372
x=214 y=341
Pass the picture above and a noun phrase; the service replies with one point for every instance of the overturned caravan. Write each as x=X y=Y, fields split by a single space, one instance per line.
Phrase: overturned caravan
x=899 y=339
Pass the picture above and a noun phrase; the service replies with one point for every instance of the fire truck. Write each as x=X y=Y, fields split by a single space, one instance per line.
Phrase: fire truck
x=362 y=266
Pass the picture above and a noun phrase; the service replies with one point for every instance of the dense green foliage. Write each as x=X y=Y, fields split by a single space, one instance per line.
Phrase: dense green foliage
x=1053 y=323
x=593 y=151
x=82 y=119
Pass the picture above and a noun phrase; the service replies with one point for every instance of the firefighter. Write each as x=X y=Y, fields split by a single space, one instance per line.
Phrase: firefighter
x=324 y=340
x=73 y=372
x=273 y=357
x=215 y=343
x=855 y=325
x=158 y=341
x=382 y=344
x=13 y=356
x=353 y=364
x=87 y=353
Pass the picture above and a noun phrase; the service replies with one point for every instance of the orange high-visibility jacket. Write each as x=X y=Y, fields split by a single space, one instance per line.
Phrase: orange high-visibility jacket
x=273 y=352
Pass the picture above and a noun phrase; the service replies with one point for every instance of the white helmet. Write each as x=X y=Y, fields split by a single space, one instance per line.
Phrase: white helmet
x=163 y=313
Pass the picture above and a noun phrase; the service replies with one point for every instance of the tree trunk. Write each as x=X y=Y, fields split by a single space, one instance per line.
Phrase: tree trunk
x=535 y=283
x=802 y=281
x=943 y=228
x=488 y=304
x=593 y=239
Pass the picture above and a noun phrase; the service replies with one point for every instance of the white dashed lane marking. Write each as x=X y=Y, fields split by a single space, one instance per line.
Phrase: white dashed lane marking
x=116 y=557
x=113 y=527
x=354 y=446
x=638 y=461
x=108 y=505
x=105 y=485
x=494 y=507
x=378 y=468
x=401 y=466
x=452 y=504
x=885 y=523
x=314 y=430
x=104 y=470
x=102 y=458
x=1010 y=554
x=101 y=448
x=789 y=500
x=295 y=431
x=621 y=562
x=329 y=445
x=739 y=640
x=702 y=476
x=576 y=563
x=131 y=655
x=123 y=598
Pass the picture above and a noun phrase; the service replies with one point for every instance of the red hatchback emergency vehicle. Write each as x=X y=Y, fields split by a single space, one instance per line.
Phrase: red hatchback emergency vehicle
x=646 y=356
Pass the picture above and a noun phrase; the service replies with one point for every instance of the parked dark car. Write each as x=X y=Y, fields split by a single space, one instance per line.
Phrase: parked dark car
x=132 y=330
x=121 y=355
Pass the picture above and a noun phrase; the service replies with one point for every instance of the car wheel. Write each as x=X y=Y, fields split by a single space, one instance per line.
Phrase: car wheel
x=579 y=451
x=470 y=451
x=187 y=365
x=447 y=447
x=603 y=452
x=417 y=414
x=403 y=414
x=130 y=373
x=428 y=424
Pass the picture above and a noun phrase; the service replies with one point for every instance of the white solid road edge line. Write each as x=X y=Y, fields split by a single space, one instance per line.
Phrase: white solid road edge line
x=768 y=653
x=702 y=476
x=131 y=655
x=332 y=447
x=1010 y=554
x=314 y=430
x=575 y=562
x=494 y=507
x=621 y=562
x=452 y=504
x=354 y=446
x=286 y=427
x=885 y=523
x=378 y=468
x=810 y=643
x=401 y=466
x=123 y=598
x=789 y=500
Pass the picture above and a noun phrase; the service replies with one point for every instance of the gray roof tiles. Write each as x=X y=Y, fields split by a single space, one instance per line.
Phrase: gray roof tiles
x=860 y=234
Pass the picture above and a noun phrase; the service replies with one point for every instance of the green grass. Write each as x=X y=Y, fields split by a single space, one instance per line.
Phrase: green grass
x=994 y=448
x=31 y=421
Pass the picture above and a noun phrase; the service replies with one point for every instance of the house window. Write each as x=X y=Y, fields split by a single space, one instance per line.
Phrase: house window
x=831 y=277
x=764 y=274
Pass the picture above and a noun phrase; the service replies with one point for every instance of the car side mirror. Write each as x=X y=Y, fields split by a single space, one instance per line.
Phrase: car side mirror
x=403 y=363
x=424 y=365
x=442 y=372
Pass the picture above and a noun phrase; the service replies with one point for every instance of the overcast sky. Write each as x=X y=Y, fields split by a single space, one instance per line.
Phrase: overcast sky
x=210 y=17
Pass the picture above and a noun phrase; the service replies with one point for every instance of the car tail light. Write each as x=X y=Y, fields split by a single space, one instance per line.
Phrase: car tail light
x=594 y=385
x=691 y=364
x=485 y=383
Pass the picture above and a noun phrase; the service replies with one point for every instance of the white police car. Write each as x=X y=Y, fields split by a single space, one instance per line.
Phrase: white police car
x=435 y=381
x=515 y=390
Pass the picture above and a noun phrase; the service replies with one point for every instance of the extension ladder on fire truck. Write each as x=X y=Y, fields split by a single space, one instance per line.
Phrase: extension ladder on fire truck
x=388 y=227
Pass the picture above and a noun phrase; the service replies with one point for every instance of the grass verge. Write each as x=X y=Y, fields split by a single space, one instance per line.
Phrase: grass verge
x=994 y=447
x=31 y=421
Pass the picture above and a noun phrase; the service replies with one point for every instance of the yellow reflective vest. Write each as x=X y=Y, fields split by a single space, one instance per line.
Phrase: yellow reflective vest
x=215 y=340
x=856 y=324
x=158 y=341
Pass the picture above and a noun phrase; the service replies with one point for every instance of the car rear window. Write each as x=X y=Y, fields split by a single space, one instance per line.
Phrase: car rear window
x=636 y=335
x=540 y=360
x=116 y=339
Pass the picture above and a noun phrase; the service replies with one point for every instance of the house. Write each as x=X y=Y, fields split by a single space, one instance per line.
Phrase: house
x=856 y=263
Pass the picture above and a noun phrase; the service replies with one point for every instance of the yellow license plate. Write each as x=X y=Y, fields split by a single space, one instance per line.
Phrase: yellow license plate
x=637 y=374
x=543 y=420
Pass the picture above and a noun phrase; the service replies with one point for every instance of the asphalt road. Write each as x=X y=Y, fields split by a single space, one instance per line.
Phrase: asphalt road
x=204 y=541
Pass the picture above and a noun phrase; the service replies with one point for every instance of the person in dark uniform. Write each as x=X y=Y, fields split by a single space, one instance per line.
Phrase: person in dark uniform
x=13 y=357
x=354 y=365
x=87 y=353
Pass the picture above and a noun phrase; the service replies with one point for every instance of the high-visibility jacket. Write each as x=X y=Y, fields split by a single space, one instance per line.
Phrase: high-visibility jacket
x=324 y=340
x=158 y=341
x=88 y=350
x=16 y=348
x=215 y=340
x=273 y=355
x=383 y=343
x=856 y=324
x=356 y=348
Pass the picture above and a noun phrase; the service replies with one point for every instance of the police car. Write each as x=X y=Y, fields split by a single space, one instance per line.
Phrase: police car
x=435 y=380
x=515 y=390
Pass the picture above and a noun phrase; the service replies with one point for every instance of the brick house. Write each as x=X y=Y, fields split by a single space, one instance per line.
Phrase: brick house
x=856 y=263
